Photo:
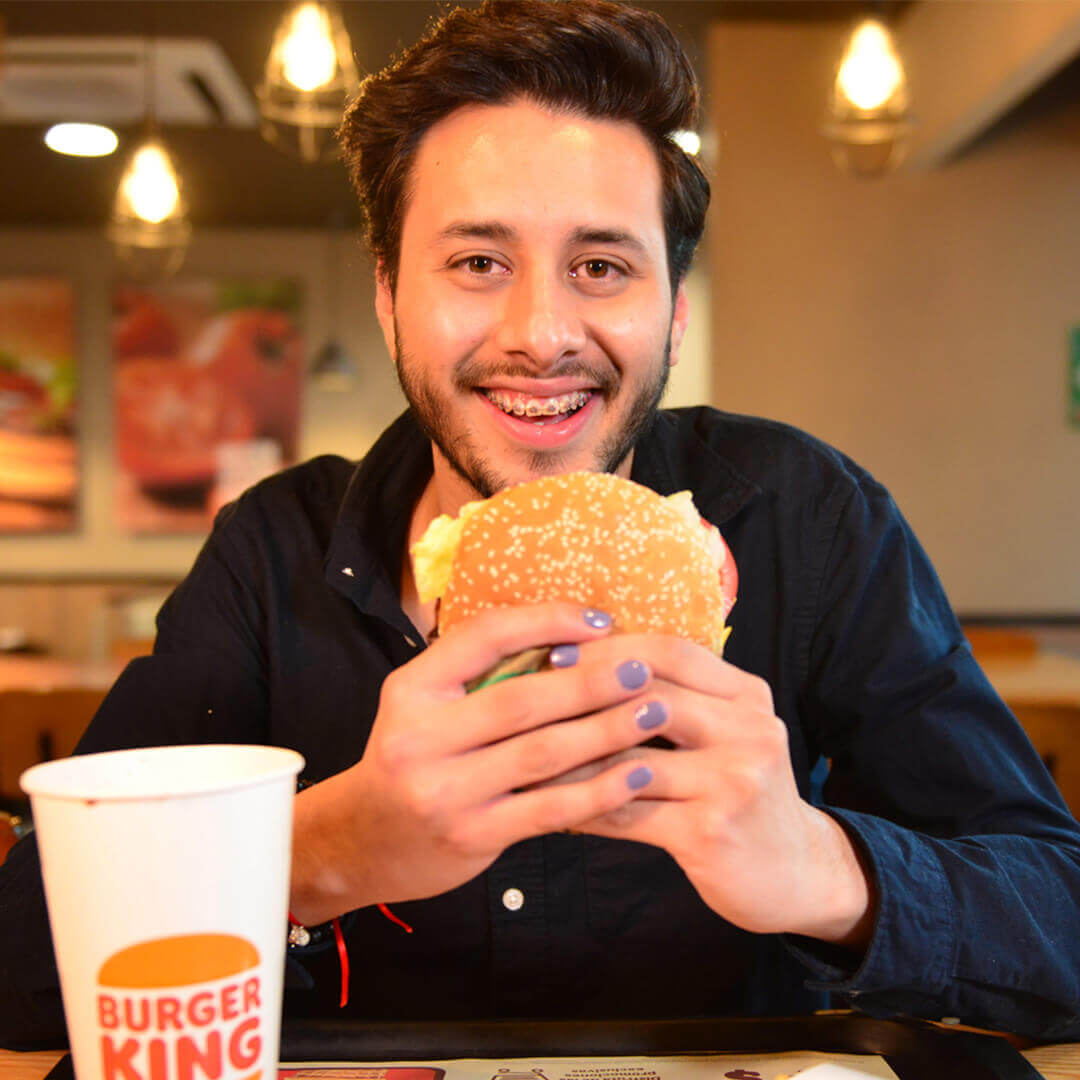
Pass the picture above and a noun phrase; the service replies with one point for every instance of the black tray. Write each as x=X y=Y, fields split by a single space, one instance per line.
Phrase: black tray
x=915 y=1050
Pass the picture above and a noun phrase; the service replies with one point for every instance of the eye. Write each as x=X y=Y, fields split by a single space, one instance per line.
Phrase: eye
x=479 y=265
x=600 y=270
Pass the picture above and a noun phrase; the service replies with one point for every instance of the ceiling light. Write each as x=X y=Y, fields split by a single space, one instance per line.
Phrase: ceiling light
x=81 y=140
x=310 y=75
x=688 y=141
x=333 y=367
x=150 y=189
x=149 y=223
x=869 y=121
x=149 y=227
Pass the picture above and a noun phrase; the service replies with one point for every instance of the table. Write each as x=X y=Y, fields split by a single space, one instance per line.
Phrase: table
x=1061 y=1062
x=1046 y=678
x=1043 y=690
x=20 y=672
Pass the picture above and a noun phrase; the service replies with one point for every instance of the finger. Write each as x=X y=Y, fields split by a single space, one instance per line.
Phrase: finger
x=686 y=663
x=476 y=644
x=568 y=690
x=558 y=749
x=537 y=812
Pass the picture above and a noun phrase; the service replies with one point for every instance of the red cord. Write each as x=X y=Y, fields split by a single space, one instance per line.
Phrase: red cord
x=342 y=948
x=343 y=958
x=394 y=919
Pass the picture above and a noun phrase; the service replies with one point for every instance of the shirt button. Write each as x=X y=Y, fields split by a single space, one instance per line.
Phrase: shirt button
x=513 y=899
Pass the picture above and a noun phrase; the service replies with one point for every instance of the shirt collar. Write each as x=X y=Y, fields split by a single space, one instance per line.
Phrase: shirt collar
x=363 y=561
x=671 y=456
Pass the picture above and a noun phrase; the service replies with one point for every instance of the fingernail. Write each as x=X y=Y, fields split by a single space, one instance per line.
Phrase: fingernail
x=598 y=620
x=650 y=716
x=639 y=777
x=632 y=675
x=564 y=656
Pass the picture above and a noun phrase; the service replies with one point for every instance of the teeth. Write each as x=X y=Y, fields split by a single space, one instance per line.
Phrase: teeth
x=533 y=407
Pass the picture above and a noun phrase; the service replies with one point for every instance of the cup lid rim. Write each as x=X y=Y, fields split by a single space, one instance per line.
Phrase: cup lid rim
x=102 y=777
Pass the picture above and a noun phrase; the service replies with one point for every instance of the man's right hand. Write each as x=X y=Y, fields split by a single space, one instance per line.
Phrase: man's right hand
x=447 y=779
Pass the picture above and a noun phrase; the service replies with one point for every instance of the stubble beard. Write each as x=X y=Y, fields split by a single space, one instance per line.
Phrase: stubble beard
x=434 y=415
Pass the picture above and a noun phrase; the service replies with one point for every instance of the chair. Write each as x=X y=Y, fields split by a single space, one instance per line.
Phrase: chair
x=39 y=725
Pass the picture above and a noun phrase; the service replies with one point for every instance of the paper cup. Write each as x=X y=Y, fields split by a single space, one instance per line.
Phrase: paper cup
x=166 y=877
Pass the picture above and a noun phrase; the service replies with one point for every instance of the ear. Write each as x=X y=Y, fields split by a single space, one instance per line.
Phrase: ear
x=680 y=316
x=384 y=309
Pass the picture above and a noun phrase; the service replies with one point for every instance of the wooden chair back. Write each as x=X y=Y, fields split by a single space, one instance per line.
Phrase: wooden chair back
x=39 y=725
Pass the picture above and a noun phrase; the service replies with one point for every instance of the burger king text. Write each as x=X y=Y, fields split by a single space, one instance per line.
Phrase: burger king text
x=184 y=1035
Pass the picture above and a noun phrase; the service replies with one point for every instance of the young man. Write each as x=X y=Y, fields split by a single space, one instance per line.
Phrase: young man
x=532 y=223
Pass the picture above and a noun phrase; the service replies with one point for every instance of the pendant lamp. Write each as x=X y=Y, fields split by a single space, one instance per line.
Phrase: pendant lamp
x=869 y=121
x=149 y=227
x=310 y=76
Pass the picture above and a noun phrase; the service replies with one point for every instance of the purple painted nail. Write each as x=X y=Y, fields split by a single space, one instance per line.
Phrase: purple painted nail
x=564 y=656
x=632 y=674
x=639 y=777
x=598 y=620
x=650 y=716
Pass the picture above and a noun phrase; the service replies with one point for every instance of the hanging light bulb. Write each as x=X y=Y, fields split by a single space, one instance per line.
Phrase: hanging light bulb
x=869 y=121
x=150 y=186
x=310 y=75
x=149 y=227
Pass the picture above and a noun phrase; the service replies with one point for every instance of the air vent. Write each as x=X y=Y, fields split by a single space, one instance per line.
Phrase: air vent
x=103 y=79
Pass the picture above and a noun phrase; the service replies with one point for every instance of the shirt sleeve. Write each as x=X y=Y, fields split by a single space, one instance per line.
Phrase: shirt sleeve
x=972 y=851
x=205 y=682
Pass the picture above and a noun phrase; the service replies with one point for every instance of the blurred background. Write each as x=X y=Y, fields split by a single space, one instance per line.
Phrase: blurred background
x=896 y=274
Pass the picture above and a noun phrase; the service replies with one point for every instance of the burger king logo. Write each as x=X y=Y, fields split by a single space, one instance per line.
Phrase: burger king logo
x=187 y=1007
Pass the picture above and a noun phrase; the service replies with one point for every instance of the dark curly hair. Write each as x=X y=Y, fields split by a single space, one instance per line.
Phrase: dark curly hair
x=594 y=57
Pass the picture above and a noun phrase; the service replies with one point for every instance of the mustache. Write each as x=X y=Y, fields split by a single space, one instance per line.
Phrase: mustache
x=471 y=373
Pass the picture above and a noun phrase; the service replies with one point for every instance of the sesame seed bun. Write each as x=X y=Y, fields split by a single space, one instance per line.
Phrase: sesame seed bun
x=595 y=539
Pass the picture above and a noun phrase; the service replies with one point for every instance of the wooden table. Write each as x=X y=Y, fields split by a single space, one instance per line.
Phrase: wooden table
x=20 y=672
x=1046 y=678
x=1053 y=1062
x=1043 y=690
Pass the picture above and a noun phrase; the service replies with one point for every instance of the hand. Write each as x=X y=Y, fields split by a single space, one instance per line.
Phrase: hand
x=724 y=803
x=447 y=780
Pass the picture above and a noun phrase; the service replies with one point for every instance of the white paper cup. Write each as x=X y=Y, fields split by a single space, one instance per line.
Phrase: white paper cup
x=166 y=877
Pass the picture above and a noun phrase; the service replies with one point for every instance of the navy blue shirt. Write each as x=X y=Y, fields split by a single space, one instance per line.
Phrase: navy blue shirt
x=290 y=620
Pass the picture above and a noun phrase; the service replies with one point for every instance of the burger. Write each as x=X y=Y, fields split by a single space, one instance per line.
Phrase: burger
x=648 y=560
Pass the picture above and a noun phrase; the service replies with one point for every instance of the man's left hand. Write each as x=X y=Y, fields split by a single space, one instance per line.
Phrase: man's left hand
x=724 y=802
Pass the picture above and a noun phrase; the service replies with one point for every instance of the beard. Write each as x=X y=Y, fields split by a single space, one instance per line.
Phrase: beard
x=434 y=412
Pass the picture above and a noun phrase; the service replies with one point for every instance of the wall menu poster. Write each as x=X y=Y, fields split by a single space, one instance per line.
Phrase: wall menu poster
x=207 y=380
x=39 y=452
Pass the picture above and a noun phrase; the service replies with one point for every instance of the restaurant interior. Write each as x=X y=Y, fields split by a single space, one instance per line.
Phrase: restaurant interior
x=897 y=277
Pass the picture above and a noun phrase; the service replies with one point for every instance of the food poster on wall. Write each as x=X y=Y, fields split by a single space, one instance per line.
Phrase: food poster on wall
x=39 y=452
x=207 y=381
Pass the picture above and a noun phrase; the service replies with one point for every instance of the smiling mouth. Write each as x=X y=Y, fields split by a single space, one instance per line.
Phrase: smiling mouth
x=527 y=407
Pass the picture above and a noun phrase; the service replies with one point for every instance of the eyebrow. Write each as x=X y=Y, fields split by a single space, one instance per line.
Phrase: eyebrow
x=477 y=230
x=497 y=230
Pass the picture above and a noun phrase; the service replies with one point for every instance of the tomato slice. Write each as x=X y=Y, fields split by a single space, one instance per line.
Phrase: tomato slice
x=729 y=572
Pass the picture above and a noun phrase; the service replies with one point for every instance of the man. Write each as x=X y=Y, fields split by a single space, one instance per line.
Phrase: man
x=532 y=223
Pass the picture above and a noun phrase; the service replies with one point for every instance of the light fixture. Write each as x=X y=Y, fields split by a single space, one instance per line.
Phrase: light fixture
x=687 y=141
x=332 y=367
x=310 y=75
x=81 y=140
x=869 y=121
x=149 y=227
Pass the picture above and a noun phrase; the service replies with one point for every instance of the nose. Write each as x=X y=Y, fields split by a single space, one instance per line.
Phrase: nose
x=540 y=319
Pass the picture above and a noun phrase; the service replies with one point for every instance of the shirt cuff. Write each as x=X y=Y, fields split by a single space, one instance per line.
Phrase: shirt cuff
x=913 y=940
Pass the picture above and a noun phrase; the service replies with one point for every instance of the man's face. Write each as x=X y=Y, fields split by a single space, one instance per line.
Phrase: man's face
x=532 y=322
